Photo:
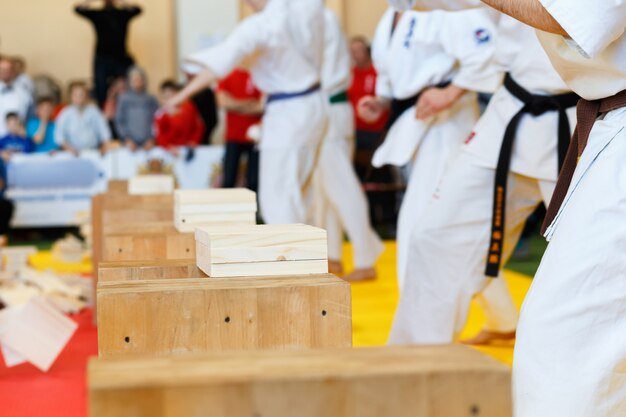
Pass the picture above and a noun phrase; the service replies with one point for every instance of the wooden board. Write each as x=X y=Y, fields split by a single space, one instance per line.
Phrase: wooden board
x=151 y=227
x=437 y=381
x=166 y=317
x=262 y=250
x=148 y=270
x=117 y=187
x=151 y=184
x=148 y=246
x=214 y=196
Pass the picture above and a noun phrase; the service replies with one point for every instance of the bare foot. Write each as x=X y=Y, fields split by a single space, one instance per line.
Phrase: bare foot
x=361 y=275
x=335 y=267
x=486 y=337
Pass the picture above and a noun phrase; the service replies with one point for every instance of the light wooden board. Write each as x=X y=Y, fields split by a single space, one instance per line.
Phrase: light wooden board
x=149 y=270
x=215 y=208
x=151 y=184
x=215 y=196
x=166 y=317
x=148 y=246
x=437 y=381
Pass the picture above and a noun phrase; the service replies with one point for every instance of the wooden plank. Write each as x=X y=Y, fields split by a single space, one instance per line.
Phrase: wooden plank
x=149 y=270
x=164 y=227
x=117 y=187
x=148 y=246
x=151 y=184
x=215 y=196
x=138 y=214
x=166 y=317
x=216 y=208
x=435 y=381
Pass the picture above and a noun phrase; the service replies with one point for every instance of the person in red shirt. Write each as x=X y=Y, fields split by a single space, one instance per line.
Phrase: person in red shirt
x=182 y=127
x=243 y=104
x=363 y=84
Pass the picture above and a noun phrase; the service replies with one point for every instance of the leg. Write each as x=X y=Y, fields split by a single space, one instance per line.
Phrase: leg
x=343 y=190
x=449 y=250
x=252 y=175
x=6 y=213
x=570 y=356
x=232 y=156
x=100 y=80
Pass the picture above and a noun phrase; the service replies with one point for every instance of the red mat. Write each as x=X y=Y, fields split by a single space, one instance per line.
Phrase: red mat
x=62 y=392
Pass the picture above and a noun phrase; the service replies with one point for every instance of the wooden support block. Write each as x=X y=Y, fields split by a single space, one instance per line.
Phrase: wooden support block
x=262 y=250
x=215 y=196
x=137 y=215
x=117 y=187
x=167 y=317
x=148 y=246
x=149 y=270
x=164 y=227
x=436 y=381
x=151 y=184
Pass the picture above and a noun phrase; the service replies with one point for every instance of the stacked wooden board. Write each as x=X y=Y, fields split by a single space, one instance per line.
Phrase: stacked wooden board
x=441 y=381
x=261 y=250
x=151 y=184
x=216 y=207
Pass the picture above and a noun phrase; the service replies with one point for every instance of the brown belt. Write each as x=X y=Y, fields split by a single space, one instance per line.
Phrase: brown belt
x=587 y=113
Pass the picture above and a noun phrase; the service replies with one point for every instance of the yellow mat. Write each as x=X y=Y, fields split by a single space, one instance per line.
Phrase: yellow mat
x=373 y=303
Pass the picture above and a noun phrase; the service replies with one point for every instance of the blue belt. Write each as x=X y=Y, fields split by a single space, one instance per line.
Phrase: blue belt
x=288 y=96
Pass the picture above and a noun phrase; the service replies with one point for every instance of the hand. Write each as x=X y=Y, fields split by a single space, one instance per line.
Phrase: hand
x=170 y=107
x=371 y=108
x=131 y=145
x=6 y=155
x=149 y=144
x=174 y=151
x=435 y=100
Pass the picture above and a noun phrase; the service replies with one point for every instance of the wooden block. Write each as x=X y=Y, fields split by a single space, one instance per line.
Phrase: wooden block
x=437 y=381
x=164 y=227
x=167 y=317
x=215 y=196
x=262 y=250
x=137 y=215
x=117 y=187
x=148 y=246
x=149 y=270
x=151 y=184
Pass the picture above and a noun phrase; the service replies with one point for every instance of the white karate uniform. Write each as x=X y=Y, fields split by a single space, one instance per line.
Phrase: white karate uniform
x=449 y=252
x=286 y=44
x=426 y=49
x=340 y=201
x=570 y=357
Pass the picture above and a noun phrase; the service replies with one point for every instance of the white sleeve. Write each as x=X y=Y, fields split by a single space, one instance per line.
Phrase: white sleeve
x=593 y=25
x=380 y=46
x=246 y=38
x=434 y=4
x=470 y=38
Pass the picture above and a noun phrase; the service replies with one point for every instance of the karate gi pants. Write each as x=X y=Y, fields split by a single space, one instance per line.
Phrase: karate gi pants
x=448 y=253
x=570 y=356
x=291 y=139
x=340 y=201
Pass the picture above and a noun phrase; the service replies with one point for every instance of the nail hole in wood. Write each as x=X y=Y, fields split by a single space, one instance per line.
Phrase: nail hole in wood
x=188 y=250
x=227 y=320
x=475 y=410
x=324 y=313
x=127 y=339
x=120 y=250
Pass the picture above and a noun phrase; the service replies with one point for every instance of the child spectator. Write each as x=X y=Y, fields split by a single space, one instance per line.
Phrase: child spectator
x=181 y=127
x=15 y=141
x=117 y=88
x=6 y=207
x=41 y=127
x=240 y=98
x=81 y=125
x=135 y=112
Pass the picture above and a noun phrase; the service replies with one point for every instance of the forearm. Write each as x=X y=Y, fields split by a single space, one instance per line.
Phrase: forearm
x=203 y=80
x=231 y=104
x=530 y=12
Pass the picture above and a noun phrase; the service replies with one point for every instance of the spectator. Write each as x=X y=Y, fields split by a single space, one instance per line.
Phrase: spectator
x=13 y=99
x=206 y=105
x=111 y=23
x=81 y=125
x=117 y=88
x=41 y=127
x=364 y=84
x=135 y=112
x=6 y=207
x=22 y=79
x=181 y=127
x=242 y=101
x=15 y=141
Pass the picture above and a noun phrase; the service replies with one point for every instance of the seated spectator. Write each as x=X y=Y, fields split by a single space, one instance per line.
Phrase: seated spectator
x=13 y=99
x=117 y=88
x=135 y=112
x=15 y=141
x=6 y=207
x=81 y=125
x=41 y=127
x=22 y=79
x=179 y=127
x=242 y=101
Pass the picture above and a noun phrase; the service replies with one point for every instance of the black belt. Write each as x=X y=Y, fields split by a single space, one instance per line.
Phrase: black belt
x=535 y=105
x=398 y=107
